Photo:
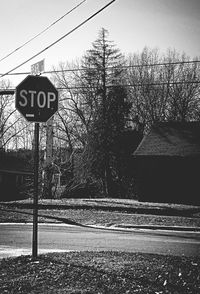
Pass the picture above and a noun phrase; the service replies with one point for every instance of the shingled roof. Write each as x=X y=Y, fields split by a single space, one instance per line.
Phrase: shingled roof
x=171 y=139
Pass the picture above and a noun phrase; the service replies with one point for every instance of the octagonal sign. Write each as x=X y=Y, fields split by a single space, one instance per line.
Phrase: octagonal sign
x=36 y=98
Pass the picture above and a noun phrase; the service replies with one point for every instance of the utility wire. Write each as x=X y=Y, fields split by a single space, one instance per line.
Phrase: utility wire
x=121 y=67
x=132 y=85
x=12 y=91
x=61 y=38
x=39 y=34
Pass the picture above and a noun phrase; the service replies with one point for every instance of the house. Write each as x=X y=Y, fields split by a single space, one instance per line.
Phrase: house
x=168 y=163
x=16 y=176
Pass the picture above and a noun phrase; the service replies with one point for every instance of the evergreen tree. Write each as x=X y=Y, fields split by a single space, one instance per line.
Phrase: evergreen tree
x=104 y=71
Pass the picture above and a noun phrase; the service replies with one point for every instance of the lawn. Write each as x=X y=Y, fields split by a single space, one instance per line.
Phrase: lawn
x=106 y=212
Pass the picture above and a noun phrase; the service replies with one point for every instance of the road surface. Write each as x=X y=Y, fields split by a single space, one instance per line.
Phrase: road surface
x=16 y=239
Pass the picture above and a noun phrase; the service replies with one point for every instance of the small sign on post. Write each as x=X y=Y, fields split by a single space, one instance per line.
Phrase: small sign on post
x=37 y=68
x=37 y=100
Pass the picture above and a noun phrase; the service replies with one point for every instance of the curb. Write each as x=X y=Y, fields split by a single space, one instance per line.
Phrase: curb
x=115 y=227
x=155 y=227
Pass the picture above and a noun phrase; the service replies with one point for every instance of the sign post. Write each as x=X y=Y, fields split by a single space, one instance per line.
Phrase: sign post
x=37 y=100
x=35 y=199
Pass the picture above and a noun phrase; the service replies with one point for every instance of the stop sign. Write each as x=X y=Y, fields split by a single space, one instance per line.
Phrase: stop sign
x=36 y=98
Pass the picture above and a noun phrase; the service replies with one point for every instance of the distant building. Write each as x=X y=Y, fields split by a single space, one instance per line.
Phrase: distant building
x=168 y=163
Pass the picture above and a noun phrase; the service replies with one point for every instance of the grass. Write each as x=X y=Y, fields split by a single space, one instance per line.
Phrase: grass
x=100 y=272
x=104 y=212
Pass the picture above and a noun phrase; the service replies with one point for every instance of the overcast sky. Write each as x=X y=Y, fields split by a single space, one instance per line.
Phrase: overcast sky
x=132 y=25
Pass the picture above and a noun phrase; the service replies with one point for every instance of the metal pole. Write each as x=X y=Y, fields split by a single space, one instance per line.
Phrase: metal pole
x=35 y=200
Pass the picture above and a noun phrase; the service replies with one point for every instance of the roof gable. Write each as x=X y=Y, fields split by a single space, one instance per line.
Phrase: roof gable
x=171 y=139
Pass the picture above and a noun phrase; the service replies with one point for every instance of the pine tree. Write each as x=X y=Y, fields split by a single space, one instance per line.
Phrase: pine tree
x=104 y=73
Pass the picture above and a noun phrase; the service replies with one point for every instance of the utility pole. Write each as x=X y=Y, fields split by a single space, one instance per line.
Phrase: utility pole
x=47 y=188
x=49 y=141
x=104 y=107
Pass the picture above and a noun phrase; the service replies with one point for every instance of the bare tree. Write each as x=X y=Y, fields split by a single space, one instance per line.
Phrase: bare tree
x=71 y=122
x=163 y=87
x=185 y=89
x=8 y=119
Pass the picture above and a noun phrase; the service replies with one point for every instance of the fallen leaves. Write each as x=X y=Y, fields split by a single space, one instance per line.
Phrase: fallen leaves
x=100 y=272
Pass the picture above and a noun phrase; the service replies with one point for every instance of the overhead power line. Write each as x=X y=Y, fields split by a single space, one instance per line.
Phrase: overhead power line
x=61 y=38
x=121 y=67
x=126 y=66
x=43 y=31
x=12 y=91
x=133 y=85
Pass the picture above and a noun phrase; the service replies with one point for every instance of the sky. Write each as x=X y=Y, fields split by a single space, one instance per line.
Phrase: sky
x=132 y=25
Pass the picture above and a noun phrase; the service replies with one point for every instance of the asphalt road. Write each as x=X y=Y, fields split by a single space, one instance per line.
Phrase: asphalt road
x=16 y=239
